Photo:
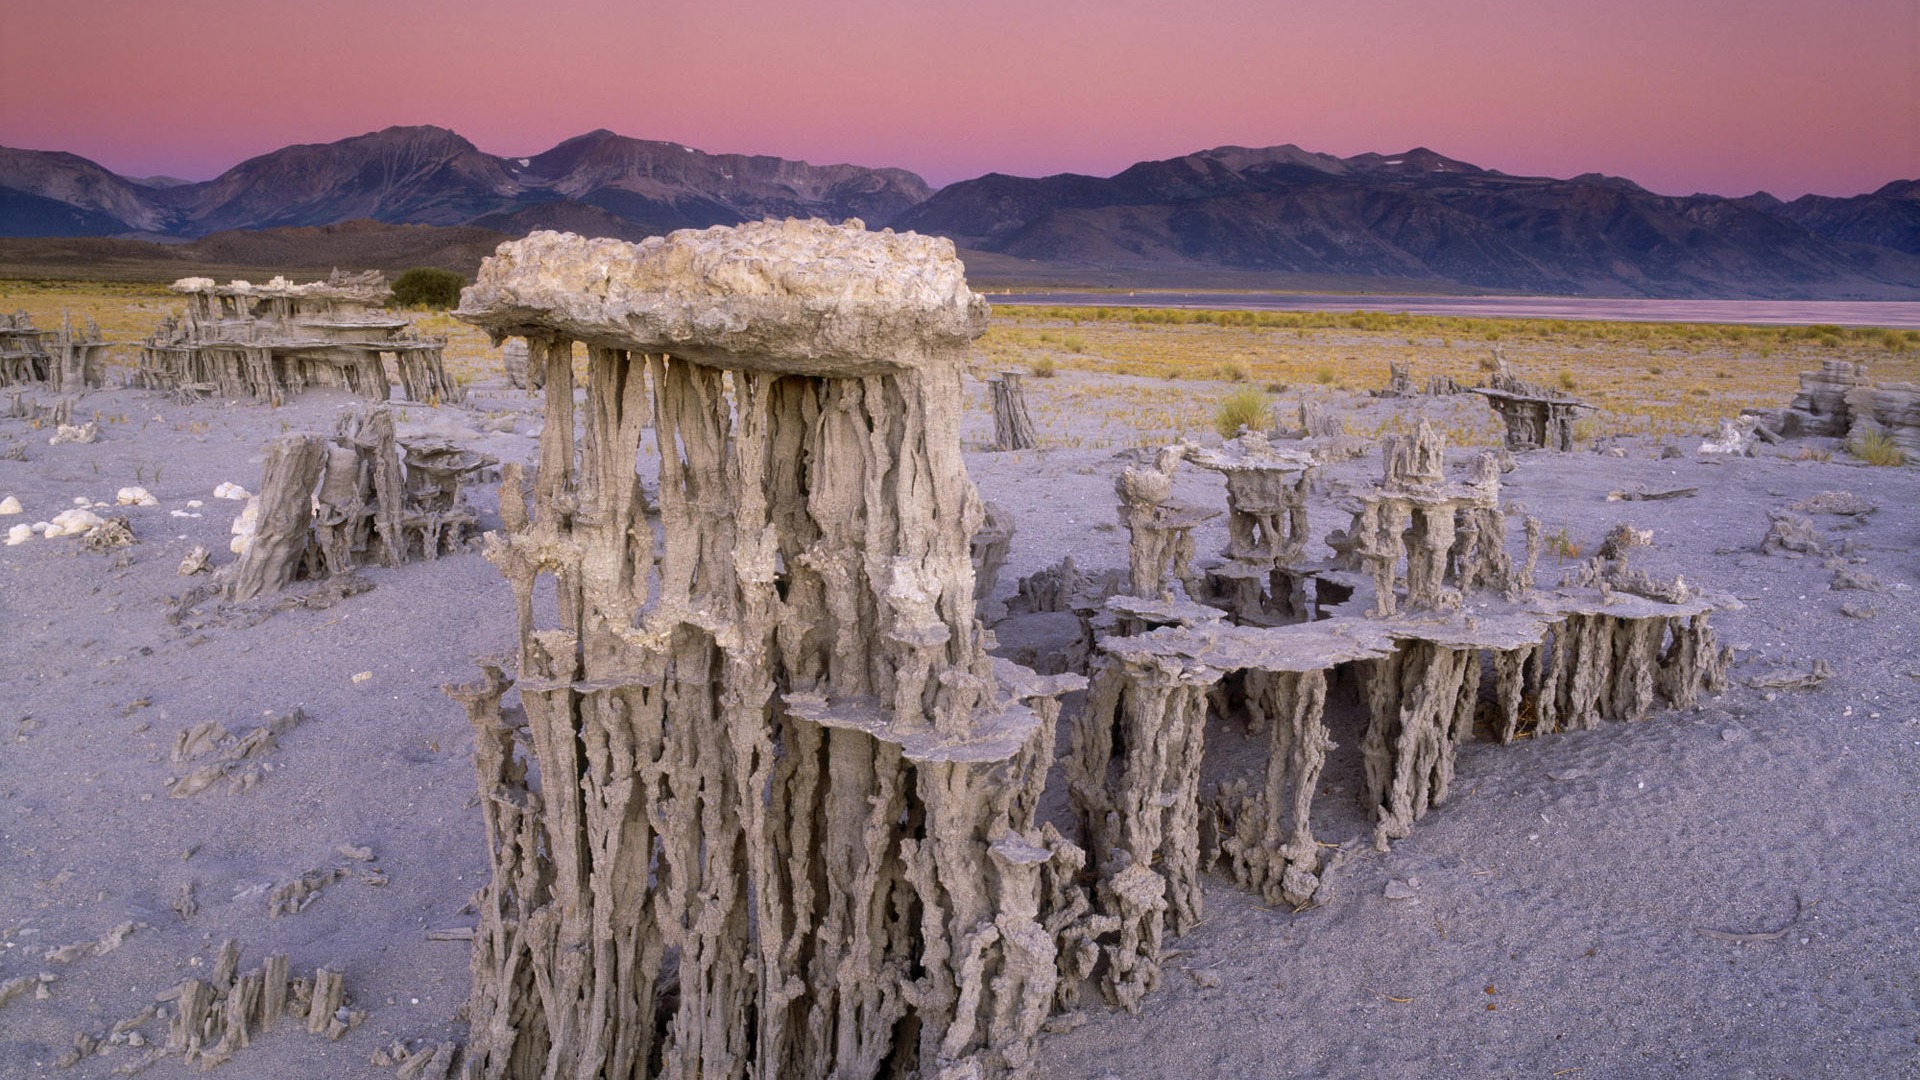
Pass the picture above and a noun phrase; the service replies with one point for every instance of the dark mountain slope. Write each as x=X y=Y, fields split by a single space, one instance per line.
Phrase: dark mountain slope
x=1414 y=215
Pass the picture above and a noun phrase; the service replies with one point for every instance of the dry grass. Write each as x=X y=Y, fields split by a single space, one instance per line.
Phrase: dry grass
x=1876 y=448
x=1166 y=367
x=1706 y=371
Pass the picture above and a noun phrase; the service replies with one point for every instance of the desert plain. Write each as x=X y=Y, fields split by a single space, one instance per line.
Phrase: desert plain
x=1724 y=891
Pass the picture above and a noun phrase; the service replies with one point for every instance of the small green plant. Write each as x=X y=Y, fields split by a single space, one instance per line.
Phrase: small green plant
x=1563 y=545
x=1043 y=367
x=1245 y=407
x=1876 y=447
x=1566 y=380
x=428 y=287
x=1232 y=371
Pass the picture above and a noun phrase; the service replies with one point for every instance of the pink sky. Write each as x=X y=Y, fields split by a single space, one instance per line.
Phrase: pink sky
x=1726 y=96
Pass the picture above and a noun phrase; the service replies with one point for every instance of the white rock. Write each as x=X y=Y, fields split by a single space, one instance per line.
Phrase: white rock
x=135 y=496
x=1735 y=437
x=75 y=433
x=9 y=506
x=194 y=504
x=74 y=522
x=19 y=534
x=41 y=527
x=231 y=491
x=82 y=500
x=244 y=526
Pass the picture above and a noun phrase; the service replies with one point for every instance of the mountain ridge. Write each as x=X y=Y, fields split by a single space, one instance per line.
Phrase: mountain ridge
x=1416 y=215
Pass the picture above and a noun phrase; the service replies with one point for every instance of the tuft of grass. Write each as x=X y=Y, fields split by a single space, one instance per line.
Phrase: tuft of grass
x=1042 y=367
x=1323 y=375
x=1876 y=447
x=1562 y=544
x=1245 y=407
x=1566 y=380
x=1232 y=371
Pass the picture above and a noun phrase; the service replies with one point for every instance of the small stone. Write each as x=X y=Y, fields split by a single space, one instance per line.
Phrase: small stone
x=9 y=506
x=197 y=561
x=1730 y=734
x=1400 y=890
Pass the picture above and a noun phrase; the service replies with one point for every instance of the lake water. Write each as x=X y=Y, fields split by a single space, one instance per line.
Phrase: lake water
x=1893 y=313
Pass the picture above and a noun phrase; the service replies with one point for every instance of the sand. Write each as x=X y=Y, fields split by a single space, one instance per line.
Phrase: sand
x=1727 y=891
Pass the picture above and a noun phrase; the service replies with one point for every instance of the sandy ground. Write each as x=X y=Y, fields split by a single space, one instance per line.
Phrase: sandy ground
x=1559 y=898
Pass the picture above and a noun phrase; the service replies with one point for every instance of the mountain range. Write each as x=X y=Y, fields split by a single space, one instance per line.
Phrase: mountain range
x=1411 y=217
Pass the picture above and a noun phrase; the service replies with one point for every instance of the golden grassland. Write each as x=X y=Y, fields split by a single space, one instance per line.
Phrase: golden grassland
x=1135 y=376
x=1662 y=379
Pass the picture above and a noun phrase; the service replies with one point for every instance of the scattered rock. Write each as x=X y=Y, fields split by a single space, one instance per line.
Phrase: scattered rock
x=1846 y=577
x=75 y=433
x=197 y=561
x=75 y=522
x=1783 y=680
x=114 y=532
x=134 y=496
x=1845 y=503
x=1791 y=532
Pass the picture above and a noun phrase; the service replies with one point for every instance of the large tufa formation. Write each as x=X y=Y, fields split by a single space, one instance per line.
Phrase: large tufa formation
x=784 y=820
x=265 y=342
x=1535 y=417
x=1842 y=400
x=1609 y=643
x=65 y=361
x=364 y=496
x=1262 y=576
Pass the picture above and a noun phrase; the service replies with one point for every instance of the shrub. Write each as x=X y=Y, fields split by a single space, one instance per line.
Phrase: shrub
x=1876 y=447
x=428 y=287
x=1246 y=408
x=1567 y=381
x=1042 y=367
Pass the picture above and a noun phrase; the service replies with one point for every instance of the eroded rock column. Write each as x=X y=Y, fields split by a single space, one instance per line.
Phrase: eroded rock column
x=783 y=821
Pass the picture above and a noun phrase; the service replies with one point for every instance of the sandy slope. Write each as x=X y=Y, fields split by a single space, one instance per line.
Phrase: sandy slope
x=1559 y=897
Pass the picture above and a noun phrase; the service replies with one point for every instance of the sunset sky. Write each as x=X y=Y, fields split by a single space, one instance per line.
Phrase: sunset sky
x=1725 y=96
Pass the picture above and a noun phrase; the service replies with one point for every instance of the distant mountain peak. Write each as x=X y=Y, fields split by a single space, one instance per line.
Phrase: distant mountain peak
x=426 y=174
x=1413 y=215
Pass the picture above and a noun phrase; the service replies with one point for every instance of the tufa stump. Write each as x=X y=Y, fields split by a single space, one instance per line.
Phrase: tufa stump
x=784 y=820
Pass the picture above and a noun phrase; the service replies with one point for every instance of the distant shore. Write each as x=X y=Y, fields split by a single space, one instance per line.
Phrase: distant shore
x=1896 y=314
